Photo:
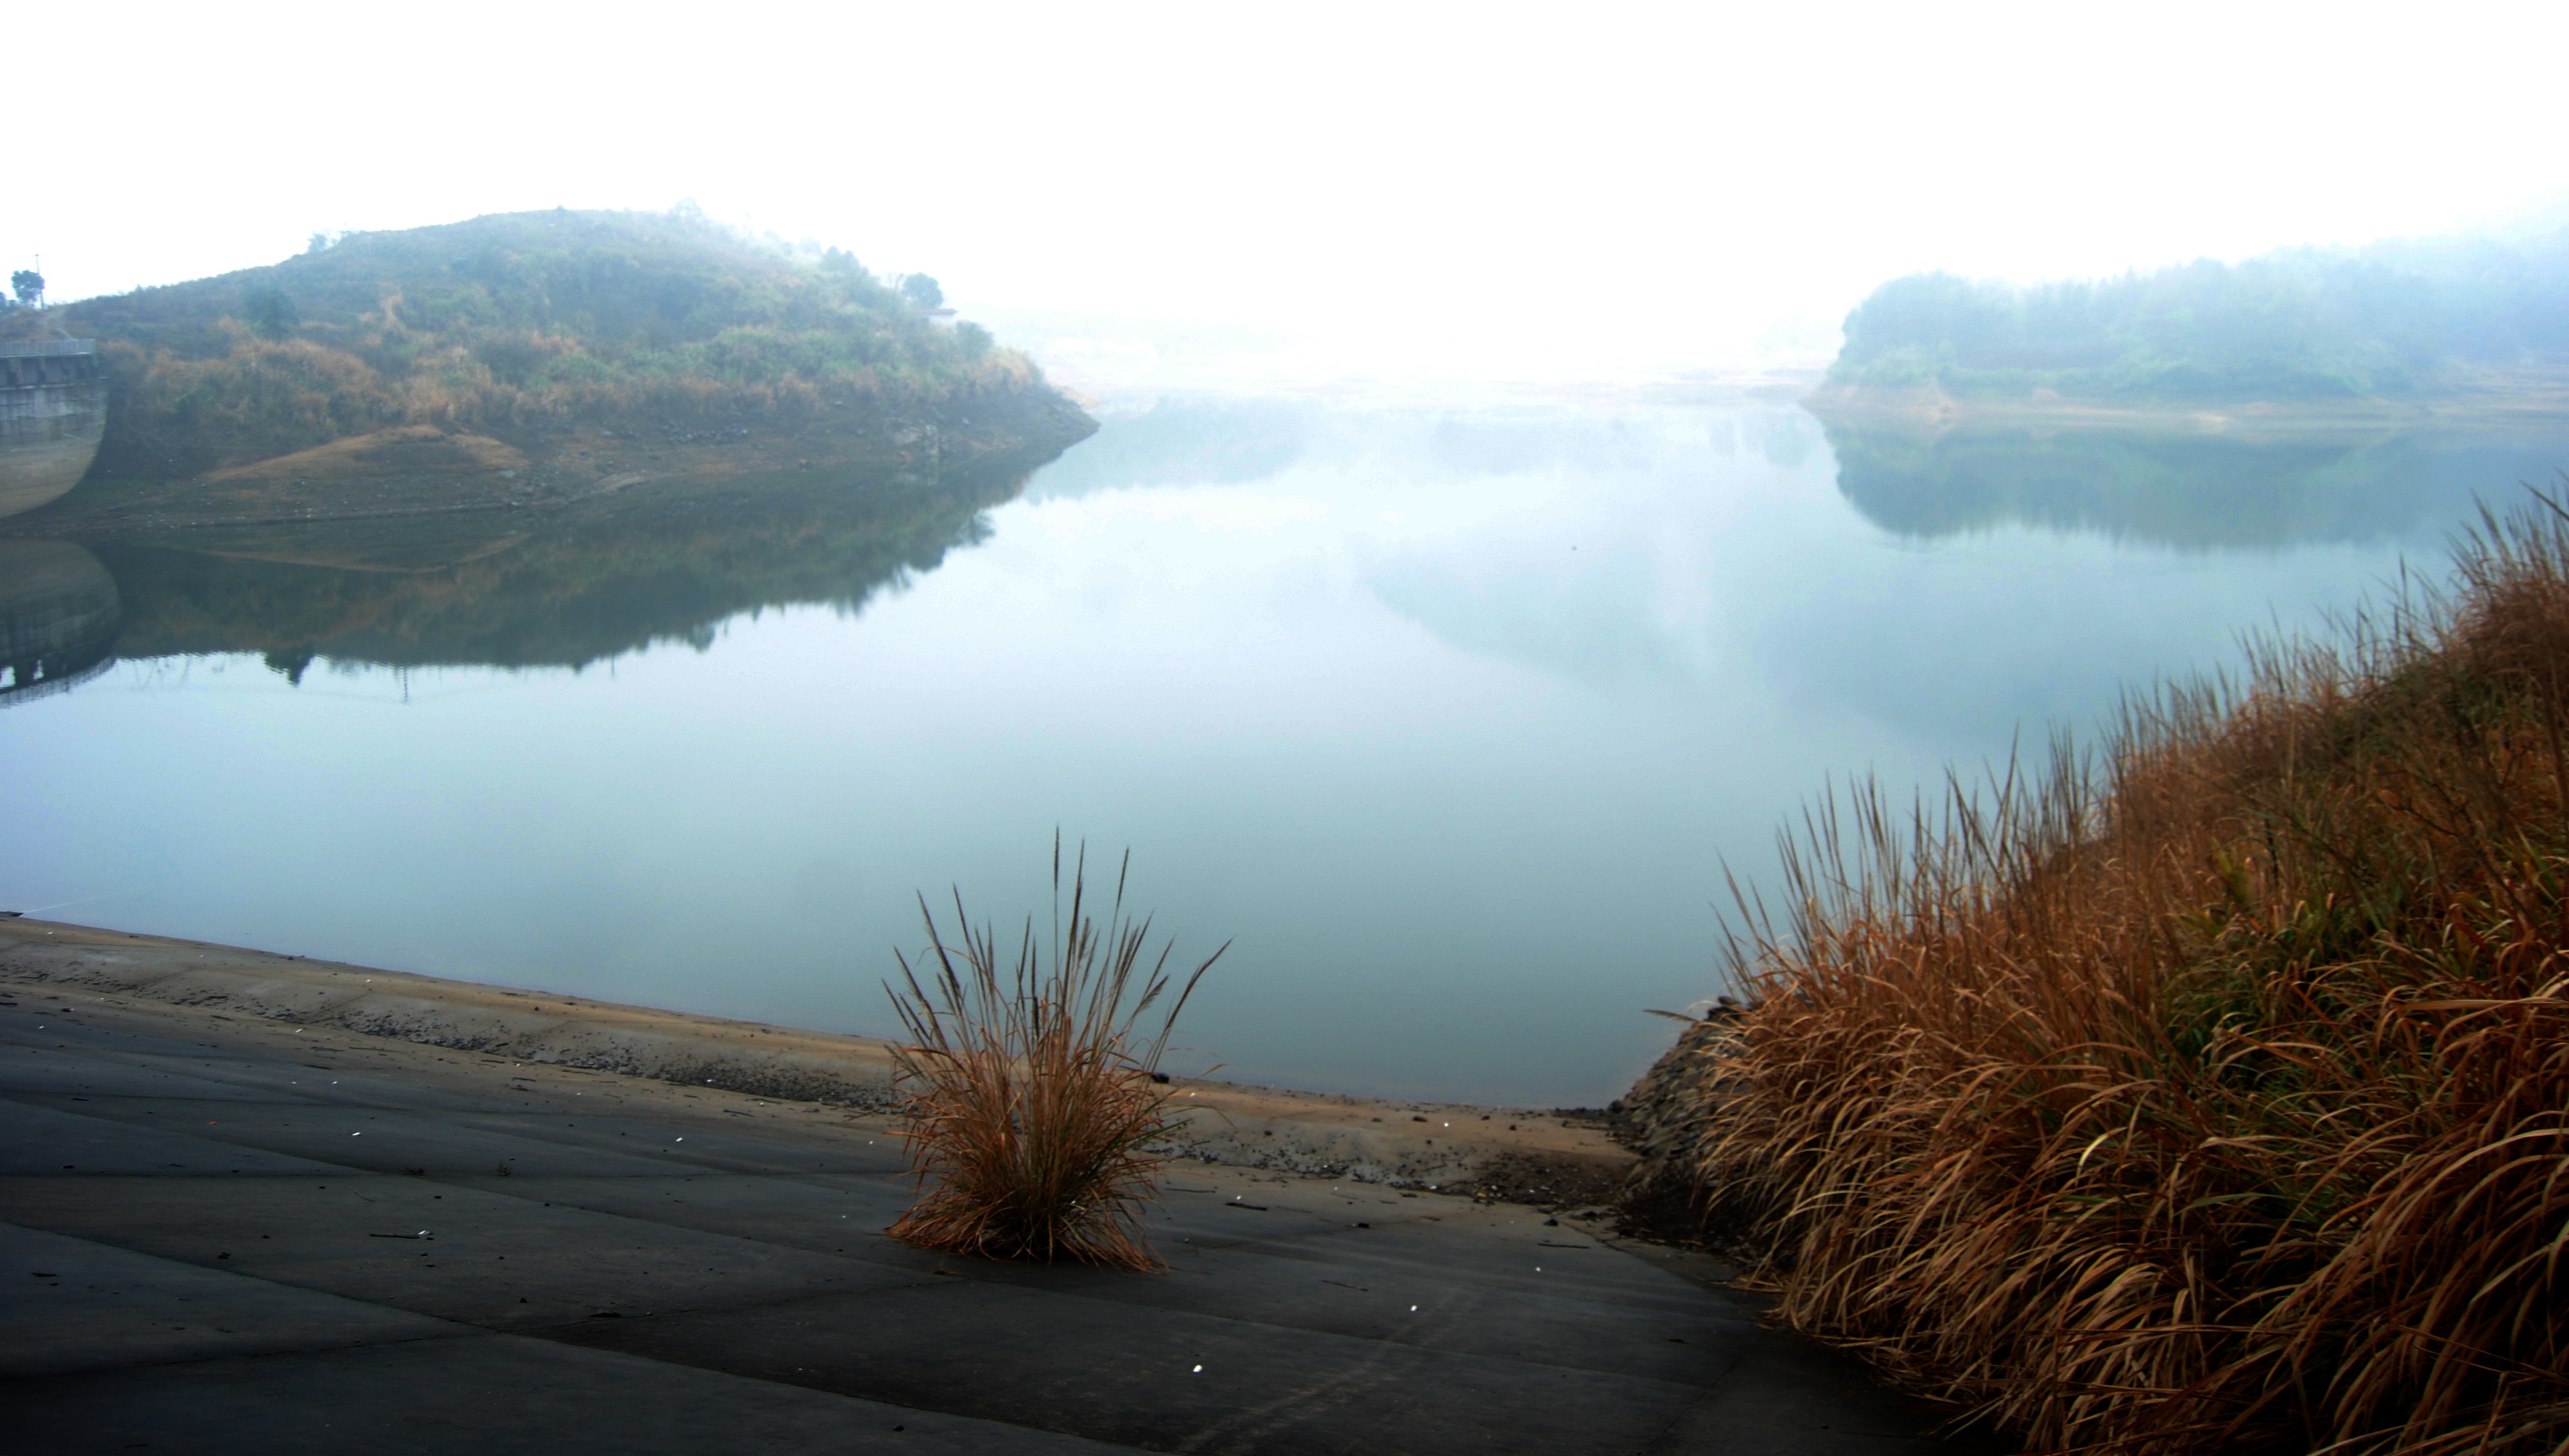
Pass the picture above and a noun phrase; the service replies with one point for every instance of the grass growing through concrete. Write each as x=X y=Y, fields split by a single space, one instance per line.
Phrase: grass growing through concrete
x=1032 y=1094
x=2211 y=1092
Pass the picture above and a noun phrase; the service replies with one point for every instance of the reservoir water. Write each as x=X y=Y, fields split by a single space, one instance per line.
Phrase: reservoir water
x=1449 y=717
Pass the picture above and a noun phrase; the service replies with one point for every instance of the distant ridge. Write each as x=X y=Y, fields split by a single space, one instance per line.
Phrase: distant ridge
x=2398 y=323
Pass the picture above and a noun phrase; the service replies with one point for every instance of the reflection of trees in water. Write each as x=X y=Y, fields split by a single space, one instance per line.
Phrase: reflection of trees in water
x=58 y=617
x=652 y=563
x=2187 y=491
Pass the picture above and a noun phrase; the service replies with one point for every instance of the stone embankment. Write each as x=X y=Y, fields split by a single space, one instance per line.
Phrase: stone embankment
x=1663 y=1120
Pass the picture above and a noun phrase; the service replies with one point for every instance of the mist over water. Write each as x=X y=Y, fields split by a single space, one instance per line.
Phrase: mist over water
x=1449 y=715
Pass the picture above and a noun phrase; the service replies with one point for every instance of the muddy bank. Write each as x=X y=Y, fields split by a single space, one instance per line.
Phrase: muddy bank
x=417 y=472
x=1548 y=1158
x=2532 y=398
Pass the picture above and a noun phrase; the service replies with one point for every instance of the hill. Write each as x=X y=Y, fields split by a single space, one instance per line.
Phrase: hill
x=2404 y=322
x=657 y=330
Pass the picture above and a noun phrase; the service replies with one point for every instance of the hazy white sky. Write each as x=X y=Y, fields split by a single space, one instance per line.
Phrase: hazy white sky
x=1569 y=182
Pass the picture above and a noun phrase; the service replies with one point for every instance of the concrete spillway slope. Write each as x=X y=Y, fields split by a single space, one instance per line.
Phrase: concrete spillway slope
x=222 y=1234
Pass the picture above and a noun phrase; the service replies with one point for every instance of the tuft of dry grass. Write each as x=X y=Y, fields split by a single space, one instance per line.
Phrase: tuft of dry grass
x=1031 y=1095
x=2210 y=1091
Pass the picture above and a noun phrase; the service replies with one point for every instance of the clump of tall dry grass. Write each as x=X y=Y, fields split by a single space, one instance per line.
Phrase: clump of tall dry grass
x=1032 y=1095
x=2211 y=1091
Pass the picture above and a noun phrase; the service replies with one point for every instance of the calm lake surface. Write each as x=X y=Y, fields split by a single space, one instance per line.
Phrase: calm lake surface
x=1449 y=718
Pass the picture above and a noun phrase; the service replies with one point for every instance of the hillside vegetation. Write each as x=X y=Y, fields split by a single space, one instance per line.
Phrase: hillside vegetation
x=513 y=325
x=2211 y=1094
x=2395 y=322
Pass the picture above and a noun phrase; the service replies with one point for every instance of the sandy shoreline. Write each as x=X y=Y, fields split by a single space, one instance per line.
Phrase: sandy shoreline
x=234 y=996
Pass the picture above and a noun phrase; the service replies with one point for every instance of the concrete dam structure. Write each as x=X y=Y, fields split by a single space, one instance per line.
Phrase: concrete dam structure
x=53 y=413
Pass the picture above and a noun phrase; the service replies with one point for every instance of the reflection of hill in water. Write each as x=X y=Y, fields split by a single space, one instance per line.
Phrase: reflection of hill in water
x=653 y=563
x=58 y=617
x=2181 y=490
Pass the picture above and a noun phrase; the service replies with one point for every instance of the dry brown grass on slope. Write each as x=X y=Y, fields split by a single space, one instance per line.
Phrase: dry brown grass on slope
x=1030 y=1096
x=2212 y=1093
